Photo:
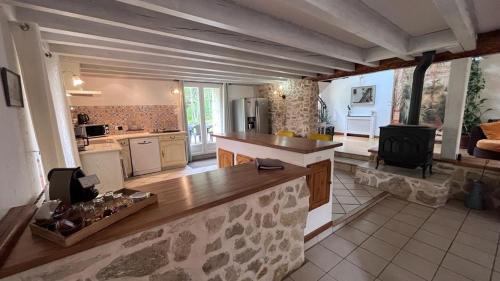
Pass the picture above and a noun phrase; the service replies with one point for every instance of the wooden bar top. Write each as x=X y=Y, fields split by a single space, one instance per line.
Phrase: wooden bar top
x=177 y=198
x=294 y=144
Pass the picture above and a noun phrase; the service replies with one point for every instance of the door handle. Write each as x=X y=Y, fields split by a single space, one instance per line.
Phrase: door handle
x=144 y=142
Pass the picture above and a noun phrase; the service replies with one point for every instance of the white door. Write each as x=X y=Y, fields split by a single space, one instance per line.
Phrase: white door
x=203 y=103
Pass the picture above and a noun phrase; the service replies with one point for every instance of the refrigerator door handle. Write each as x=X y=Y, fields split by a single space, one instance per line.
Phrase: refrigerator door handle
x=257 y=117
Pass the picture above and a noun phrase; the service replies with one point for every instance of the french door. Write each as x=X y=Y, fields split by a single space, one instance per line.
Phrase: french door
x=203 y=103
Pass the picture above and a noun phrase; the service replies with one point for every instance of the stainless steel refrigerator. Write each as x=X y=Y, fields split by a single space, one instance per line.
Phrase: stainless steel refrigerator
x=251 y=115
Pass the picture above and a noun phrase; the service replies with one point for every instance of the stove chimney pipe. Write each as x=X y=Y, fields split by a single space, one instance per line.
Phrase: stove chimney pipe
x=418 y=86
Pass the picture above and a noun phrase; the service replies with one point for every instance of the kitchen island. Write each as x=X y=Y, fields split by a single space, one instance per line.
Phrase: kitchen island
x=237 y=148
x=227 y=222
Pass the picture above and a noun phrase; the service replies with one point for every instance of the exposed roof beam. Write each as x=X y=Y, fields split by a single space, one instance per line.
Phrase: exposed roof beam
x=355 y=17
x=155 y=67
x=158 y=60
x=459 y=15
x=87 y=67
x=135 y=18
x=419 y=44
x=217 y=53
x=163 y=78
x=175 y=77
x=228 y=15
x=90 y=43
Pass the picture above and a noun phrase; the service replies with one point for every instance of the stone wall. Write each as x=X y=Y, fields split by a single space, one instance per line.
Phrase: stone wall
x=257 y=237
x=298 y=112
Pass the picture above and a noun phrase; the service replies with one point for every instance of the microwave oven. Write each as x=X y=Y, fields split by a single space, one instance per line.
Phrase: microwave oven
x=91 y=131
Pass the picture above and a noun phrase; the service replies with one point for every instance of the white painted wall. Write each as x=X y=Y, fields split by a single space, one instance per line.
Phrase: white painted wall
x=19 y=177
x=118 y=91
x=337 y=96
x=241 y=91
x=491 y=71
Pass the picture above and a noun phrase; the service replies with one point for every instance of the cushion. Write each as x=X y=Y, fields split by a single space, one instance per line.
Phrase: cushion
x=487 y=144
x=491 y=130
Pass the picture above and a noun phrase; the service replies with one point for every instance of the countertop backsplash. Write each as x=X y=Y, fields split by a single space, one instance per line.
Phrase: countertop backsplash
x=131 y=117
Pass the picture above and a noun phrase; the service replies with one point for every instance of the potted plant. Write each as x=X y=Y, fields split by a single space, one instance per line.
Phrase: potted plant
x=474 y=104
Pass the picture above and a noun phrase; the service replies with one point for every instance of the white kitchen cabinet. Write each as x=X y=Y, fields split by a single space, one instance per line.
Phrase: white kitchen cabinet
x=173 y=151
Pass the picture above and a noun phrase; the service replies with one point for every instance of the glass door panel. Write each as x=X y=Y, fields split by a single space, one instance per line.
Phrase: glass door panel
x=204 y=115
x=193 y=116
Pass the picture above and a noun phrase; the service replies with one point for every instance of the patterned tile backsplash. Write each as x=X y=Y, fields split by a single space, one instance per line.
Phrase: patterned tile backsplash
x=147 y=117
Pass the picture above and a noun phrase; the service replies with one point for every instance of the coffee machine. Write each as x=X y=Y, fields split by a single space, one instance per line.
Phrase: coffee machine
x=71 y=185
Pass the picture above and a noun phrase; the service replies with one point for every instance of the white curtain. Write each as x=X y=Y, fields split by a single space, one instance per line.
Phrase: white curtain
x=226 y=105
x=183 y=115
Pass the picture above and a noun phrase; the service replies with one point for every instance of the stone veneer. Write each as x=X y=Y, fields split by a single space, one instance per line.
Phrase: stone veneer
x=299 y=111
x=448 y=181
x=257 y=237
x=150 y=117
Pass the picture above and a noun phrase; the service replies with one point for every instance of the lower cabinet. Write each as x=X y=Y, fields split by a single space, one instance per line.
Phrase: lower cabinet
x=225 y=158
x=319 y=183
x=243 y=159
x=125 y=156
x=173 y=153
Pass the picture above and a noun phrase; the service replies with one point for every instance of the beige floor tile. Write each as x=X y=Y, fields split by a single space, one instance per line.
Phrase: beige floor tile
x=401 y=227
x=395 y=273
x=392 y=205
x=496 y=267
x=346 y=271
x=338 y=245
x=425 y=251
x=363 y=199
x=481 y=223
x=360 y=192
x=350 y=207
x=341 y=192
x=352 y=234
x=418 y=210
x=489 y=235
x=457 y=206
x=308 y=272
x=472 y=254
x=385 y=211
x=391 y=237
x=356 y=186
x=367 y=227
x=322 y=257
x=409 y=219
x=334 y=200
x=337 y=216
x=327 y=277
x=380 y=248
x=367 y=261
x=432 y=239
x=346 y=180
x=338 y=186
x=440 y=230
x=347 y=200
x=444 y=221
x=466 y=268
x=444 y=274
x=375 y=218
x=415 y=264
x=449 y=214
x=337 y=209
x=495 y=276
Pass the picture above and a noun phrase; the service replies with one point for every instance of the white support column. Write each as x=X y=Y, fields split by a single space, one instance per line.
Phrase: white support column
x=29 y=49
x=454 y=110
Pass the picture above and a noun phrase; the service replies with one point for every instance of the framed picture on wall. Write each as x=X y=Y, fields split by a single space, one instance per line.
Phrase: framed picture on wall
x=12 y=88
x=363 y=95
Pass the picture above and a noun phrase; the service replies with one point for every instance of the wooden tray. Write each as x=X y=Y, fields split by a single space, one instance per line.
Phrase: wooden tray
x=83 y=233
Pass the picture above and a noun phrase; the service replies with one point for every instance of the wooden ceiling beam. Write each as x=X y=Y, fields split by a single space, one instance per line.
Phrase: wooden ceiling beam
x=460 y=17
x=91 y=43
x=173 y=78
x=159 y=60
x=129 y=17
x=488 y=43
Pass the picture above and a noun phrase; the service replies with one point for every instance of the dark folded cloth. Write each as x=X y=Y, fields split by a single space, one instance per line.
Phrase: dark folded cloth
x=269 y=164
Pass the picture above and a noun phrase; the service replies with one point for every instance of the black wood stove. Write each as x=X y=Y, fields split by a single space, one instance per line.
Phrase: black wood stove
x=410 y=145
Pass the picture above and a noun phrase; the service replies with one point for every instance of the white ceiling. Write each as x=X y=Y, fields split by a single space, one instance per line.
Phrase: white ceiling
x=253 y=40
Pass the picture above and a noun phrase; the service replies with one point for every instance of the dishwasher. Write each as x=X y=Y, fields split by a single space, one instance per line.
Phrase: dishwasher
x=145 y=154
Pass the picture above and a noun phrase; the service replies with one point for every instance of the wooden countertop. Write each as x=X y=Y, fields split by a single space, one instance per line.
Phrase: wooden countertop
x=177 y=198
x=299 y=145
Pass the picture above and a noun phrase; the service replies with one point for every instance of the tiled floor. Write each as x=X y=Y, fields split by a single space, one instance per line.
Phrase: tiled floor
x=349 y=196
x=193 y=168
x=399 y=241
